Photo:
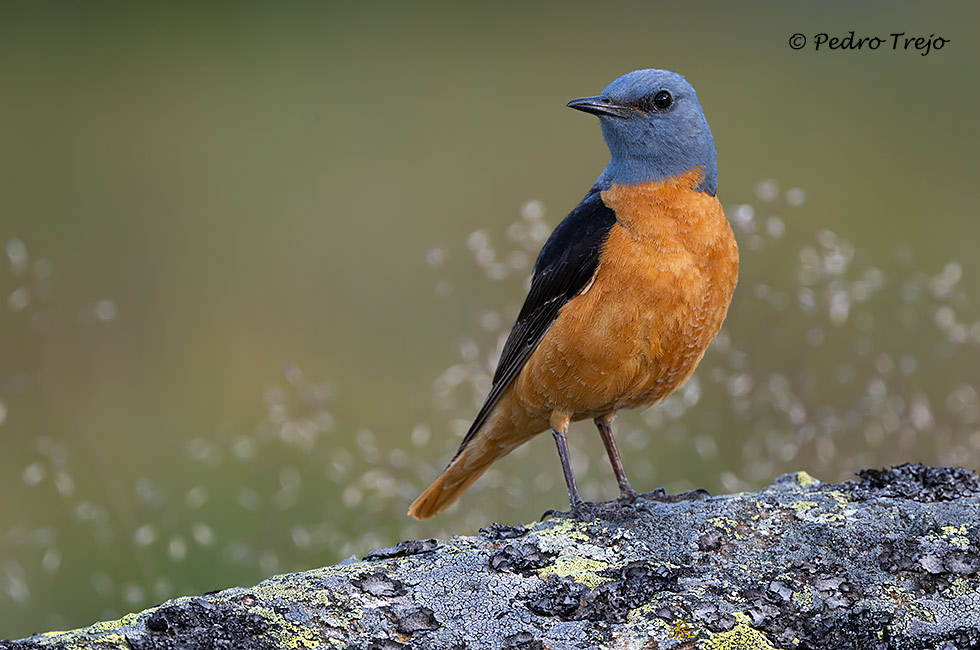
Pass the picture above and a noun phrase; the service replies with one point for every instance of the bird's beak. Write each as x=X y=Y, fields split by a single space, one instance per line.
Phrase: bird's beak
x=601 y=106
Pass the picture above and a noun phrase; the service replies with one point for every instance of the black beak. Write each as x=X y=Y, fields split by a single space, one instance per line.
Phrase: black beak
x=601 y=106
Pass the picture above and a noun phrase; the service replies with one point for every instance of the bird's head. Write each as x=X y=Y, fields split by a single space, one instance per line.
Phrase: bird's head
x=654 y=128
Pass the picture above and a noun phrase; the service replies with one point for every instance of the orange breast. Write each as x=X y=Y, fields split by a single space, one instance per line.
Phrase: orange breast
x=659 y=296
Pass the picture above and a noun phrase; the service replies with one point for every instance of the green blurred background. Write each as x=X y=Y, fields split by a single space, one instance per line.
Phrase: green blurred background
x=259 y=259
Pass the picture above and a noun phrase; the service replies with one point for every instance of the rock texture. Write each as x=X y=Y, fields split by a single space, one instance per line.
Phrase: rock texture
x=890 y=561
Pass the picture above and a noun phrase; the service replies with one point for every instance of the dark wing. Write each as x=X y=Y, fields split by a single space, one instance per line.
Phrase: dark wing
x=564 y=267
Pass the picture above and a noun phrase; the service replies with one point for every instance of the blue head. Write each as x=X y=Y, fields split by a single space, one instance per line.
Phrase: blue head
x=654 y=128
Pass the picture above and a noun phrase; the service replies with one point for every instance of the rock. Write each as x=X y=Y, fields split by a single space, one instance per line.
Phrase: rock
x=890 y=561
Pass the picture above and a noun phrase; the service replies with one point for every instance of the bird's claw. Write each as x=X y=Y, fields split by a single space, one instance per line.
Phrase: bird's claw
x=626 y=498
x=551 y=512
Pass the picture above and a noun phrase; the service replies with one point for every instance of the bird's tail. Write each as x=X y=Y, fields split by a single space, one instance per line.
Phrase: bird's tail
x=503 y=430
x=465 y=468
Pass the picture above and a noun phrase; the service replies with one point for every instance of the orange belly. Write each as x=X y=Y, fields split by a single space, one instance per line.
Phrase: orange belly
x=658 y=298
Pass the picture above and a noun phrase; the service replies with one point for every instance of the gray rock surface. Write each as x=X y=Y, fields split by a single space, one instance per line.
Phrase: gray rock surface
x=890 y=561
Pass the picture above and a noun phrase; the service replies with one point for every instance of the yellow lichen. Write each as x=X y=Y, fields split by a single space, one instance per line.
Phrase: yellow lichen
x=741 y=637
x=801 y=507
x=579 y=569
x=289 y=634
x=957 y=536
x=104 y=633
x=728 y=525
x=116 y=638
x=128 y=619
x=911 y=607
x=343 y=609
x=957 y=587
x=644 y=613
x=831 y=517
x=83 y=638
x=563 y=528
x=803 y=479
x=803 y=599
x=296 y=636
x=840 y=497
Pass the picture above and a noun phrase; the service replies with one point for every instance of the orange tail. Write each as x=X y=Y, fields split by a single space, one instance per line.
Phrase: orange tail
x=507 y=427
x=460 y=474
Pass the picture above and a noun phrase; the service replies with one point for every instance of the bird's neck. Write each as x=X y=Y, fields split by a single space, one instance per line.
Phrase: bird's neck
x=637 y=171
x=658 y=209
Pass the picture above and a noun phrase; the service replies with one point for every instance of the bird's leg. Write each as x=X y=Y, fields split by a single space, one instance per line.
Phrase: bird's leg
x=559 y=427
x=627 y=494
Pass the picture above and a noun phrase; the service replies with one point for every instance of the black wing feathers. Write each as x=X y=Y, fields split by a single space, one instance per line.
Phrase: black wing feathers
x=564 y=267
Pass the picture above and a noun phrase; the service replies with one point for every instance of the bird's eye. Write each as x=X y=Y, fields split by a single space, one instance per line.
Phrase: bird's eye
x=662 y=100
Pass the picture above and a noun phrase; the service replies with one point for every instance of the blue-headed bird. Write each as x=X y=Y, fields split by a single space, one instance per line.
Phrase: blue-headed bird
x=626 y=294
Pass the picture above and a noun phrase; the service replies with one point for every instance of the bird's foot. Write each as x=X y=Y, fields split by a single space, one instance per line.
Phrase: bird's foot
x=614 y=510
x=661 y=495
x=626 y=498
x=589 y=511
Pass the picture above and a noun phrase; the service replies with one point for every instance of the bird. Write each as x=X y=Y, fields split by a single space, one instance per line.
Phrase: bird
x=625 y=296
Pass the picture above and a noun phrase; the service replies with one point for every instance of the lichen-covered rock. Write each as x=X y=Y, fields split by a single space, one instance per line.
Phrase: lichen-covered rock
x=891 y=561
